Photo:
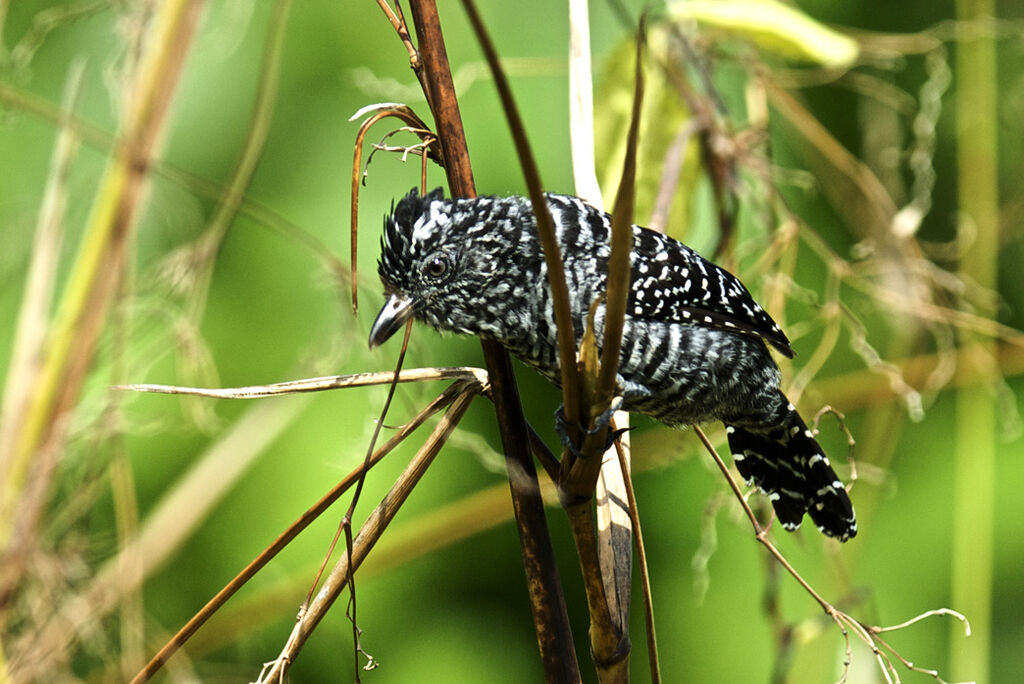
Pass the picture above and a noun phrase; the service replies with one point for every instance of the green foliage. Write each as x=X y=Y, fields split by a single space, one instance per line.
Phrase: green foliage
x=775 y=28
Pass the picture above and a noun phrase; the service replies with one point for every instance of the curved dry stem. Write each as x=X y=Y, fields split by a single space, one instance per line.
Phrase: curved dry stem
x=850 y=441
x=377 y=112
x=927 y=614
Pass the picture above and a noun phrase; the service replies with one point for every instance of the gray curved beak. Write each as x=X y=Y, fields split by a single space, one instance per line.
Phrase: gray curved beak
x=397 y=310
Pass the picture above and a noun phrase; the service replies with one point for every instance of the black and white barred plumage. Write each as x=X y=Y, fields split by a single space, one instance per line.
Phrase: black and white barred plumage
x=693 y=345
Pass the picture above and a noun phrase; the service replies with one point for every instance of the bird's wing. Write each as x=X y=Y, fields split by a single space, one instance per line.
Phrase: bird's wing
x=673 y=283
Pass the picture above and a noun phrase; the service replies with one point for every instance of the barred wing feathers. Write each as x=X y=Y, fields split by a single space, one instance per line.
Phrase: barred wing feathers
x=673 y=283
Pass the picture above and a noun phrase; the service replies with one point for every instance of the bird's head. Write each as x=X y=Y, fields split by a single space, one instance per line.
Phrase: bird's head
x=442 y=262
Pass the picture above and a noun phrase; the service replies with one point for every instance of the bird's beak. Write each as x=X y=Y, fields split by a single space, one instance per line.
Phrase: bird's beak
x=397 y=310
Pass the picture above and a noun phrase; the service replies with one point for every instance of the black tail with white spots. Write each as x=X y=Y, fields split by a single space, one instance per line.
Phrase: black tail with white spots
x=786 y=463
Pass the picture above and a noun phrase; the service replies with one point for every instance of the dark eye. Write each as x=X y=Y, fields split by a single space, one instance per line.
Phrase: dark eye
x=437 y=266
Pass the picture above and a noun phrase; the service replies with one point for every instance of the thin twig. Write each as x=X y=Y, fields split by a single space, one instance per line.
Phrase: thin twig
x=761 y=533
x=293 y=530
x=369 y=533
x=346 y=522
x=327 y=382
x=641 y=554
x=846 y=623
x=398 y=23
x=927 y=614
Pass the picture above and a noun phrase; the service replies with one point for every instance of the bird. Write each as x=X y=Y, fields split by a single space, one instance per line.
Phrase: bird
x=695 y=344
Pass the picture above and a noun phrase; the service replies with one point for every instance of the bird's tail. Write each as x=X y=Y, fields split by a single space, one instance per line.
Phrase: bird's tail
x=786 y=463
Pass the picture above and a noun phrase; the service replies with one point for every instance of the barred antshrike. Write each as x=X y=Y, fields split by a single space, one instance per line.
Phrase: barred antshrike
x=693 y=345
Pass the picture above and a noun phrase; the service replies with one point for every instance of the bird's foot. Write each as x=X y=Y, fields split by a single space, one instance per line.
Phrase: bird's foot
x=602 y=424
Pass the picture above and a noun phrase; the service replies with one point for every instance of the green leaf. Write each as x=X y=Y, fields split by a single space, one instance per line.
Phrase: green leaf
x=774 y=27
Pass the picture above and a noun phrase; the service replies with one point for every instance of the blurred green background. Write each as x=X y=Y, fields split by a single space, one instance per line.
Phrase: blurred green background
x=436 y=604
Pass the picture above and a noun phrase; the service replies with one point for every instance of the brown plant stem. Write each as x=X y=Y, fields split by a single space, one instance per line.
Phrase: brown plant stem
x=613 y=510
x=554 y=636
x=609 y=629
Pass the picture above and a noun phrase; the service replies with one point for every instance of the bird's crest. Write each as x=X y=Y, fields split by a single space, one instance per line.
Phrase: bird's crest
x=400 y=225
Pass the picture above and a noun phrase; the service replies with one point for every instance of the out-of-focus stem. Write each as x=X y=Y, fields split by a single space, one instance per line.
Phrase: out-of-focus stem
x=92 y=283
x=974 y=468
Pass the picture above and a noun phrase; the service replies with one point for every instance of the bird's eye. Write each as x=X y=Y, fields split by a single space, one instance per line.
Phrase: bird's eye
x=437 y=266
